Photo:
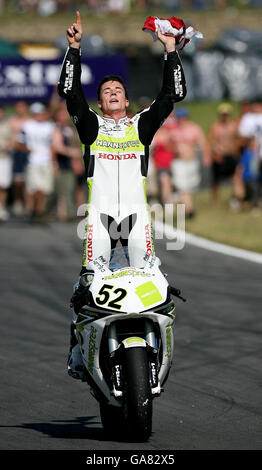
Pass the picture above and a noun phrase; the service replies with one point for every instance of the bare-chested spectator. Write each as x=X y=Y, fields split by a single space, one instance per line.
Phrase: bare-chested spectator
x=189 y=146
x=162 y=154
x=223 y=147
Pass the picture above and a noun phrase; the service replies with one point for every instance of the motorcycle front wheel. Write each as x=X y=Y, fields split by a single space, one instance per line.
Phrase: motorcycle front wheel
x=137 y=394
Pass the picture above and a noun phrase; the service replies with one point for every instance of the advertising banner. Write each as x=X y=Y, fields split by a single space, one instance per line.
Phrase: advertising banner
x=33 y=80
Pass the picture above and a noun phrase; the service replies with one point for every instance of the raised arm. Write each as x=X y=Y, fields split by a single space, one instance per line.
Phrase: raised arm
x=173 y=90
x=70 y=88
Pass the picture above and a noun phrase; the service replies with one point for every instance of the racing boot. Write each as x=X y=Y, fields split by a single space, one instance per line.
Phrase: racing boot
x=75 y=365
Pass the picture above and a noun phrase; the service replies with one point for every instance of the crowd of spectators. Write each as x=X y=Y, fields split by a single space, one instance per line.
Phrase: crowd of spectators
x=232 y=151
x=41 y=164
x=42 y=173
x=50 y=7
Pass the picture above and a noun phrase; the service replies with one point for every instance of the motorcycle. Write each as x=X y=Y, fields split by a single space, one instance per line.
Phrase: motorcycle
x=125 y=333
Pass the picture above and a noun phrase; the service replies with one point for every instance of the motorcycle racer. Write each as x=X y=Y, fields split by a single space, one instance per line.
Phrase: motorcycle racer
x=116 y=154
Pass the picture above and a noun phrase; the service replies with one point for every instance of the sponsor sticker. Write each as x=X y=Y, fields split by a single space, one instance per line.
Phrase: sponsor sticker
x=148 y=294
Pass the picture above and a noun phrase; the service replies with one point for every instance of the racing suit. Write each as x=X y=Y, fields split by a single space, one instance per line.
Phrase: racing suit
x=116 y=160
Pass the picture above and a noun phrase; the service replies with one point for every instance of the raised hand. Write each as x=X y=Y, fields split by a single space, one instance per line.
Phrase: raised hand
x=167 y=40
x=74 y=32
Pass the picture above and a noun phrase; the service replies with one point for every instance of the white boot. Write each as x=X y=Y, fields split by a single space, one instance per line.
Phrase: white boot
x=75 y=365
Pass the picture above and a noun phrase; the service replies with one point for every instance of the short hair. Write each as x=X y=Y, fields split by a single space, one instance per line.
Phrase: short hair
x=111 y=78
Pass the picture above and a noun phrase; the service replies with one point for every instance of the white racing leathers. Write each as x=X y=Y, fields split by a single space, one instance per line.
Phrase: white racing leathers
x=116 y=160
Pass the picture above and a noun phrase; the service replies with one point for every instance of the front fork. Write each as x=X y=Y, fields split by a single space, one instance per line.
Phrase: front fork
x=115 y=351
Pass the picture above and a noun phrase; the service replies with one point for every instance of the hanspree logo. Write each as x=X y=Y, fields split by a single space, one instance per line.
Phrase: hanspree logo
x=110 y=156
x=117 y=145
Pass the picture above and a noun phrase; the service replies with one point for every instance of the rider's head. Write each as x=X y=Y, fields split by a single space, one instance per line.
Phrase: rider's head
x=111 y=78
x=112 y=95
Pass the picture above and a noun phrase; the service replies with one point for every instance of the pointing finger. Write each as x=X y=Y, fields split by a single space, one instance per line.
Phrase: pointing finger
x=78 y=18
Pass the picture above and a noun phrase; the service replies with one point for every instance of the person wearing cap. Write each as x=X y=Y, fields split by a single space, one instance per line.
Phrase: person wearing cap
x=116 y=153
x=222 y=138
x=186 y=139
x=36 y=139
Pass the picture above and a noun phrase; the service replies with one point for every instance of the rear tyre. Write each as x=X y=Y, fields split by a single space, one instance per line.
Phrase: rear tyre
x=137 y=395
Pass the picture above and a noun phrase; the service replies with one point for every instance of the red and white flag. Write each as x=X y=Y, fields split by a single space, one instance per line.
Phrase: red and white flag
x=171 y=26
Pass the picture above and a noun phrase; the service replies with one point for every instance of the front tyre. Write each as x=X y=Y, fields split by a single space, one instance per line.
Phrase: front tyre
x=137 y=395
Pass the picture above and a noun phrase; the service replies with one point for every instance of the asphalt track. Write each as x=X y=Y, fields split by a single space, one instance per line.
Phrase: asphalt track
x=212 y=399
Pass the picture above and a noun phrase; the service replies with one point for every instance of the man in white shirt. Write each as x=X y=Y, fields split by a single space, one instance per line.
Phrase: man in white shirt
x=250 y=126
x=37 y=138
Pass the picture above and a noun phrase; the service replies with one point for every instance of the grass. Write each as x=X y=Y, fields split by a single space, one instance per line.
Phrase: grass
x=241 y=228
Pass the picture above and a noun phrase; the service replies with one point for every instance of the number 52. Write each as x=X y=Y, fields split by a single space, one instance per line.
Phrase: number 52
x=105 y=293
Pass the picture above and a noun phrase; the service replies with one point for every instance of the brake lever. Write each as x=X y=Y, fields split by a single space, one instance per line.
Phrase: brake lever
x=176 y=292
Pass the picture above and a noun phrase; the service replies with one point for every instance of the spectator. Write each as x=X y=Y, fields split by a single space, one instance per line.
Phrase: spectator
x=5 y=164
x=65 y=150
x=29 y=5
x=245 y=107
x=162 y=157
x=81 y=190
x=249 y=167
x=223 y=146
x=36 y=138
x=251 y=126
x=19 y=157
x=118 y=6
x=186 y=139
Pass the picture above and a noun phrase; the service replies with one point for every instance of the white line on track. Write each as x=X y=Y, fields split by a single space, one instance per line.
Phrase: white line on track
x=172 y=233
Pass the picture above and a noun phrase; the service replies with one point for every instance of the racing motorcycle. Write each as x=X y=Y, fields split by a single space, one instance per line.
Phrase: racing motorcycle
x=125 y=332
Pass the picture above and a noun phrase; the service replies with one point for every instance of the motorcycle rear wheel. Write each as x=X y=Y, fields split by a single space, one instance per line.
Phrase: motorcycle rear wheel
x=137 y=395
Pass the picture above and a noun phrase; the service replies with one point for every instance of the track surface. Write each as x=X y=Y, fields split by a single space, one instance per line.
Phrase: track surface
x=212 y=399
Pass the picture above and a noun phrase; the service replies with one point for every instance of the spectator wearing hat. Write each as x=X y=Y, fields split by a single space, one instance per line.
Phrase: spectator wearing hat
x=187 y=140
x=37 y=138
x=222 y=138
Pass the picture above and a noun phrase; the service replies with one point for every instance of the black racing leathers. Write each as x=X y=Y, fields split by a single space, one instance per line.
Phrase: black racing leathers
x=116 y=159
